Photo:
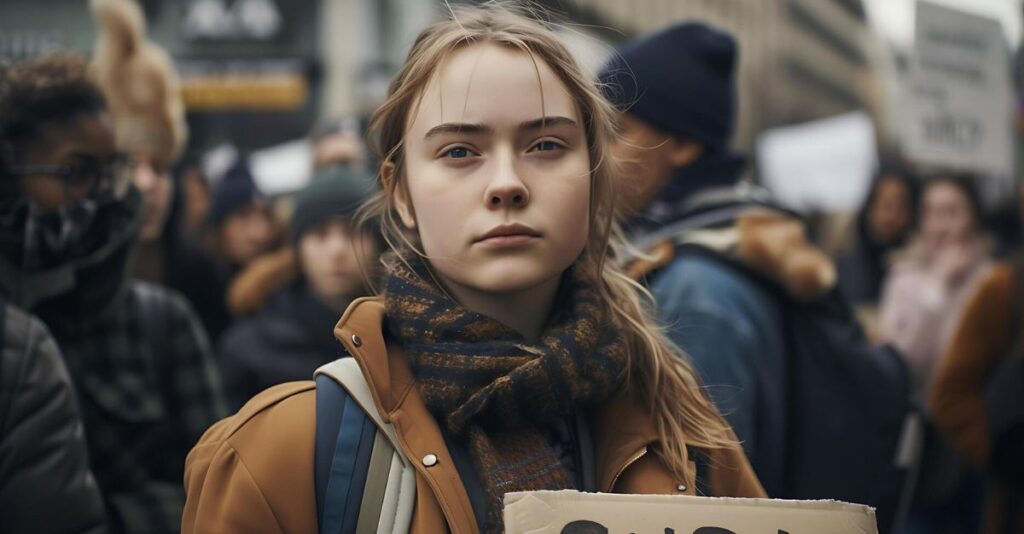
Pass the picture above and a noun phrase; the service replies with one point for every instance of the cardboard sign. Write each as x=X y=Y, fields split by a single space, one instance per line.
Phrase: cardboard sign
x=571 y=512
x=960 y=104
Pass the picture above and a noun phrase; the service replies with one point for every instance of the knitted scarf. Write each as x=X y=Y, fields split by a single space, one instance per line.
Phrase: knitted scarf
x=487 y=384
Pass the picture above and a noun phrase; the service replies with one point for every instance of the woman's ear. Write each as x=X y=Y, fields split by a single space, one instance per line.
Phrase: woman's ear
x=684 y=153
x=401 y=195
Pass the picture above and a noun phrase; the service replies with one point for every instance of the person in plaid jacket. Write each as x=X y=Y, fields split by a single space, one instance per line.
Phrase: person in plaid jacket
x=137 y=355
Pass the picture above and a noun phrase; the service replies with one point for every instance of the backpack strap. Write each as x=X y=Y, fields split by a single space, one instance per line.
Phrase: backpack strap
x=363 y=481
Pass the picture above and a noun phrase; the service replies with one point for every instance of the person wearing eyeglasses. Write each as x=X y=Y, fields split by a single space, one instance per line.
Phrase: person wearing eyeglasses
x=137 y=356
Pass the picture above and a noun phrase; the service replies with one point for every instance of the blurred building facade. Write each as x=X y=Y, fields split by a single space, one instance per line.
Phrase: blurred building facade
x=260 y=72
x=799 y=59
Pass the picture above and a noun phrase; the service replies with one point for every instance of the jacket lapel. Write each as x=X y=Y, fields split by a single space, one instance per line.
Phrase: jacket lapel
x=390 y=379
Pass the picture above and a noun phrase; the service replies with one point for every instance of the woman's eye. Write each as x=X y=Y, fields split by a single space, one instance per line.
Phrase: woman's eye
x=545 y=146
x=458 y=152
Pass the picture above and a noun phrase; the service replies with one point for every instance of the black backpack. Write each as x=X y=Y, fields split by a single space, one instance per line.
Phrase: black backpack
x=848 y=407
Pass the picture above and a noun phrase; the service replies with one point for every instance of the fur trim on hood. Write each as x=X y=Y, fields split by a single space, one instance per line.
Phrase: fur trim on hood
x=777 y=246
x=253 y=288
x=139 y=81
x=766 y=241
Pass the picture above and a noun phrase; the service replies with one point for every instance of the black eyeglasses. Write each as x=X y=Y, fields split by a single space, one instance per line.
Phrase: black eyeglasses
x=84 y=178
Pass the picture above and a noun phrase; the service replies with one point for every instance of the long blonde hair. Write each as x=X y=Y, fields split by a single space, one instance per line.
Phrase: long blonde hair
x=668 y=386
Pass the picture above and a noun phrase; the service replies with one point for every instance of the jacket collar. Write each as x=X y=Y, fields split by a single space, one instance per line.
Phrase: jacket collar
x=361 y=331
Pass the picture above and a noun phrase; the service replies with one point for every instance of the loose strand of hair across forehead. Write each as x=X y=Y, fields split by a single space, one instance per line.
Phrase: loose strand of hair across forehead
x=663 y=381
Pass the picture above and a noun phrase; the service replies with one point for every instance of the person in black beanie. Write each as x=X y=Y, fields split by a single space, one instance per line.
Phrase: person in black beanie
x=678 y=91
x=239 y=228
x=327 y=264
x=240 y=217
x=681 y=186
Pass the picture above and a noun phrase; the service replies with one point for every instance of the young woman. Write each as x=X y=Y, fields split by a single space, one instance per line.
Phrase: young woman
x=883 y=225
x=924 y=299
x=928 y=286
x=300 y=292
x=502 y=323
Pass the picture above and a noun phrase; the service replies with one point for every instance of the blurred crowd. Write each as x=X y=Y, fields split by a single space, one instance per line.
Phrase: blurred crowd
x=144 y=299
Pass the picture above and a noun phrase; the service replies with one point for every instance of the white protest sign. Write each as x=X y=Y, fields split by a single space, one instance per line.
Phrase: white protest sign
x=571 y=512
x=283 y=168
x=959 y=108
x=824 y=165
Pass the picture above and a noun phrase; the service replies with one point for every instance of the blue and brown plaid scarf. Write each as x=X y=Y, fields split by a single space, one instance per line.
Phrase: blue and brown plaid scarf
x=487 y=384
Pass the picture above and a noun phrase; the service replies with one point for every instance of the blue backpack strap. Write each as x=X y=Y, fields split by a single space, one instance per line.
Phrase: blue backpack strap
x=344 y=440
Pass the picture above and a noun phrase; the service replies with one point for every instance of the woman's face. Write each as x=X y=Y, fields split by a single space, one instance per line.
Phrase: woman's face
x=889 y=215
x=497 y=172
x=330 y=255
x=247 y=233
x=946 y=216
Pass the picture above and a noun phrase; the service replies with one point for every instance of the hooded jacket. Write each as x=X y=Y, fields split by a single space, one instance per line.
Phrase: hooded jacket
x=729 y=325
x=253 y=472
x=143 y=373
x=43 y=461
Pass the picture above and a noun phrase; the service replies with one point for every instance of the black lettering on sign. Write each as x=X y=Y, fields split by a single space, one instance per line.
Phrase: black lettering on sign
x=713 y=530
x=956 y=132
x=584 y=527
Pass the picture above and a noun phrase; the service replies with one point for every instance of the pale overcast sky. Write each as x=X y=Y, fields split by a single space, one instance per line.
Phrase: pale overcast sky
x=894 y=19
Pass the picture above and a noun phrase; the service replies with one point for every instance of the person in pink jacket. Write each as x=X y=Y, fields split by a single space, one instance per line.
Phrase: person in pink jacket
x=931 y=280
x=922 y=302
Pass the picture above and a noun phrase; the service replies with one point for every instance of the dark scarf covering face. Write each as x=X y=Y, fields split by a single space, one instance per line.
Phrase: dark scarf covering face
x=713 y=170
x=75 y=287
x=487 y=384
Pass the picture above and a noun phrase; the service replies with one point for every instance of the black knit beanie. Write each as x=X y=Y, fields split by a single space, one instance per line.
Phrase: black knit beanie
x=236 y=190
x=334 y=191
x=681 y=81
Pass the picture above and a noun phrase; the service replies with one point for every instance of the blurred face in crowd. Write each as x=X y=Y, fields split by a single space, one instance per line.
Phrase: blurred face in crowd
x=196 y=191
x=342 y=148
x=889 y=215
x=246 y=233
x=153 y=178
x=947 y=217
x=83 y=150
x=497 y=175
x=333 y=255
x=649 y=157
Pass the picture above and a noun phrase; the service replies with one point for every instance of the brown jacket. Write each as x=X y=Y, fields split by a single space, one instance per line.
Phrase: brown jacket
x=985 y=334
x=253 y=472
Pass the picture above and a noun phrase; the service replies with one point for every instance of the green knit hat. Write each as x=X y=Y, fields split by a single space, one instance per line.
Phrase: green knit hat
x=334 y=191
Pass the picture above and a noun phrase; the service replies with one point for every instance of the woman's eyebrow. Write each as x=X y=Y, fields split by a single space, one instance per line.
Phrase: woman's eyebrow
x=471 y=129
x=545 y=122
x=458 y=127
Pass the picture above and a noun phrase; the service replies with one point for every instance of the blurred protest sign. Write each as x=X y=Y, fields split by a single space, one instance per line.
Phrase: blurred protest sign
x=824 y=165
x=959 y=108
x=283 y=168
x=571 y=512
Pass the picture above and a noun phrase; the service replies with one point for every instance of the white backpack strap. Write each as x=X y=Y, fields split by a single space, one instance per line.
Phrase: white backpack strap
x=398 y=475
x=346 y=372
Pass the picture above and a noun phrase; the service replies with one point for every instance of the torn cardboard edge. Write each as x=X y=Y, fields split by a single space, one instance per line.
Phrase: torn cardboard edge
x=572 y=512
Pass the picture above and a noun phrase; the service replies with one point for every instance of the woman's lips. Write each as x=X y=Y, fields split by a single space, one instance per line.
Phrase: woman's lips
x=508 y=241
x=509 y=235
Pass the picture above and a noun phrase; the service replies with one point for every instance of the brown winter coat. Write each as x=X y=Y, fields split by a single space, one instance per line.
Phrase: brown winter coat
x=957 y=400
x=253 y=472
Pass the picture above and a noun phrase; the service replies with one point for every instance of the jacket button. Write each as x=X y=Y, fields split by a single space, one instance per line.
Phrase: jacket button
x=430 y=460
x=357 y=341
x=681 y=487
